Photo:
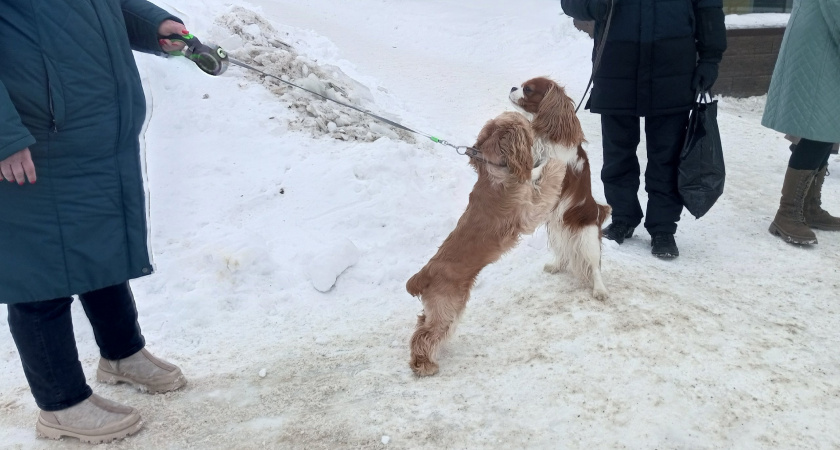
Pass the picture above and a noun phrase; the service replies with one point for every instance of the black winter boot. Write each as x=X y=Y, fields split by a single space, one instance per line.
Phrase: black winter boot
x=618 y=231
x=663 y=245
x=789 y=223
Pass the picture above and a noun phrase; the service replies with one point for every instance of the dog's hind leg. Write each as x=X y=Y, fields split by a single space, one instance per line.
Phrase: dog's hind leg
x=590 y=252
x=557 y=242
x=434 y=326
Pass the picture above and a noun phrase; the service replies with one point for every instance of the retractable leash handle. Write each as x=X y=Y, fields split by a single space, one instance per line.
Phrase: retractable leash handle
x=211 y=59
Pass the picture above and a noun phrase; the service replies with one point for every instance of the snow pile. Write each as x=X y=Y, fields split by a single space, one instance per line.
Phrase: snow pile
x=249 y=38
x=757 y=20
x=325 y=267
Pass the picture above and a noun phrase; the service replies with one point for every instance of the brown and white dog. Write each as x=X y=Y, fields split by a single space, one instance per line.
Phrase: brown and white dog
x=574 y=229
x=508 y=200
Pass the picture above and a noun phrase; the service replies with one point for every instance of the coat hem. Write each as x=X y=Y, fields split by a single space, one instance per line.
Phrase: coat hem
x=629 y=112
x=62 y=293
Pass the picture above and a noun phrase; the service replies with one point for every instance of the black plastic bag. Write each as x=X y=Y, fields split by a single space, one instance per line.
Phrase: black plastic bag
x=701 y=172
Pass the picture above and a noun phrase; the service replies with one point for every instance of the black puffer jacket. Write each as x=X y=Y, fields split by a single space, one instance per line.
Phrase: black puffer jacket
x=652 y=49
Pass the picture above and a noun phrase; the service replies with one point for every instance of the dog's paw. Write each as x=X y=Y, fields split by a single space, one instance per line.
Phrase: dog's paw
x=422 y=366
x=600 y=294
x=552 y=268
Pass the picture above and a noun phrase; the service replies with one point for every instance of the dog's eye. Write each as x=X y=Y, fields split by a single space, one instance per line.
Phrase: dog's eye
x=527 y=90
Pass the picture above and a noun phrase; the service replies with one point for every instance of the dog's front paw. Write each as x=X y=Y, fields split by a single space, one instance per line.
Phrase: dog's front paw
x=422 y=366
x=600 y=294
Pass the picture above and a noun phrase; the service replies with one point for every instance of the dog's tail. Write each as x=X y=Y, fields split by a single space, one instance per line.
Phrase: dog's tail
x=418 y=283
x=603 y=212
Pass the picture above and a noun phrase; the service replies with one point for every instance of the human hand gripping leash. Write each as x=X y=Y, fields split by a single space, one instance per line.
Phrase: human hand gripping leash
x=214 y=60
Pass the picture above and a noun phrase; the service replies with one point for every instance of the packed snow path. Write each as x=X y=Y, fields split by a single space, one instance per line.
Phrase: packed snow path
x=255 y=208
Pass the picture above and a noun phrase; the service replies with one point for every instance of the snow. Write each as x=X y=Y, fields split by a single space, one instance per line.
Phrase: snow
x=757 y=20
x=282 y=245
x=325 y=268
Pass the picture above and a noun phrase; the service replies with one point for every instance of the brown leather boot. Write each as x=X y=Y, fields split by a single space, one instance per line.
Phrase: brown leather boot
x=789 y=223
x=815 y=216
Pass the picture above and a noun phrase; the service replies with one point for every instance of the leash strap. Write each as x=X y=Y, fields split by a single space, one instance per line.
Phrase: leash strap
x=471 y=152
x=363 y=111
x=598 y=54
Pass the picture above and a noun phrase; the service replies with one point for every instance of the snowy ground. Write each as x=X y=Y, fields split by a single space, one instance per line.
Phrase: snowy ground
x=256 y=201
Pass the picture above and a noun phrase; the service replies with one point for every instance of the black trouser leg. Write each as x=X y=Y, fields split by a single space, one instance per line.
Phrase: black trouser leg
x=621 y=170
x=43 y=334
x=113 y=317
x=810 y=155
x=665 y=135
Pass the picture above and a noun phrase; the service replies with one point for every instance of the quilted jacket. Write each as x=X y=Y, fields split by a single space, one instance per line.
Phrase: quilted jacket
x=651 y=51
x=804 y=95
x=70 y=91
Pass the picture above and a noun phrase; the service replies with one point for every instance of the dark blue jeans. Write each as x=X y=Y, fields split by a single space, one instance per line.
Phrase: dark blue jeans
x=43 y=334
x=621 y=136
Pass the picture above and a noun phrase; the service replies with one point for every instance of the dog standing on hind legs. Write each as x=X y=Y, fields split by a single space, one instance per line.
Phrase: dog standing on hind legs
x=574 y=229
x=510 y=198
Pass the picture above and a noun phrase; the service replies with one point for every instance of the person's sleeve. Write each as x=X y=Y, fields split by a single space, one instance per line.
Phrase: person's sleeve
x=14 y=137
x=831 y=12
x=142 y=20
x=586 y=10
x=710 y=32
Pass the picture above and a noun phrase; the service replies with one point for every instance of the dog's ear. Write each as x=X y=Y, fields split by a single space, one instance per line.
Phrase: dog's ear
x=486 y=131
x=556 y=118
x=515 y=145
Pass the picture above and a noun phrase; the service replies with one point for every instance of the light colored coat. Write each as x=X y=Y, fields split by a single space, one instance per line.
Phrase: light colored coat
x=804 y=95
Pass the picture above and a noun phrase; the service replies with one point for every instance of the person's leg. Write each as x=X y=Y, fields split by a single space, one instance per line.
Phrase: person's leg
x=113 y=317
x=620 y=174
x=665 y=135
x=43 y=334
x=812 y=156
x=809 y=155
x=803 y=167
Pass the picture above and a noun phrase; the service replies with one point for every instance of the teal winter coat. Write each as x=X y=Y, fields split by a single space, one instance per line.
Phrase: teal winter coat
x=804 y=95
x=70 y=91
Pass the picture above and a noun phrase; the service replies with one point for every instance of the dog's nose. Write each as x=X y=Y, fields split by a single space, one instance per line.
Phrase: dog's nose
x=513 y=89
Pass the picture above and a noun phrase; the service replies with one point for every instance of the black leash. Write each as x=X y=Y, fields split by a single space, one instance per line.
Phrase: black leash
x=598 y=54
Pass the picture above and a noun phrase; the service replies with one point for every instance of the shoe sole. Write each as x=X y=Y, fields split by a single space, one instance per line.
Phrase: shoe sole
x=113 y=378
x=665 y=255
x=776 y=231
x=824 y=227
x=47 y=431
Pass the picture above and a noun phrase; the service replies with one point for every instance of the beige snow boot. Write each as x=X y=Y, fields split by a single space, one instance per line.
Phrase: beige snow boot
x=815 y=216
x=95 y=420
x=142 y=370
x=789 y=223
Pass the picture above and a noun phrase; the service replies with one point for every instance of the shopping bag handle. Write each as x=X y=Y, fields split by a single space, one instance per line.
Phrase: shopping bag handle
x=699 y=99
x=700 y=96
